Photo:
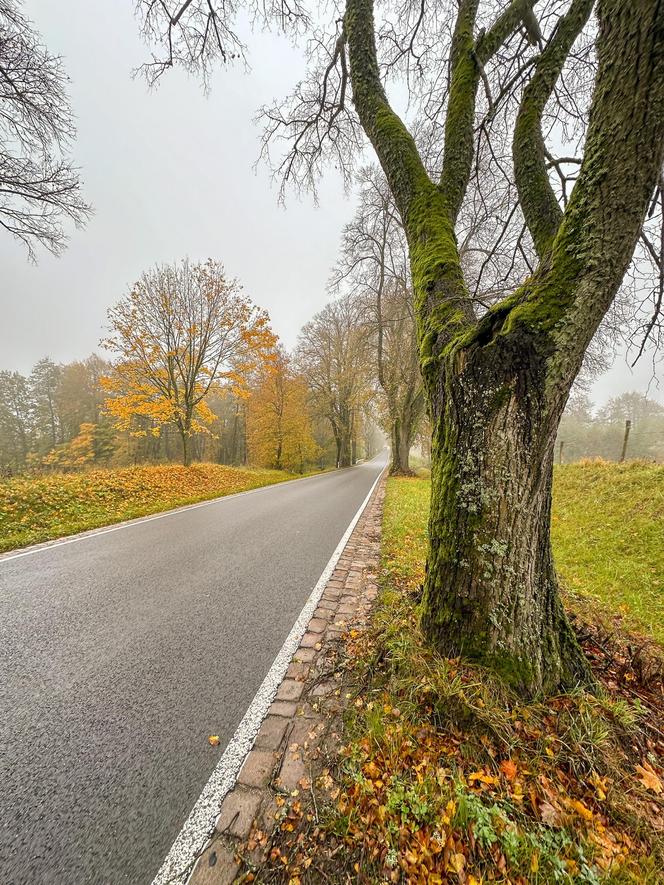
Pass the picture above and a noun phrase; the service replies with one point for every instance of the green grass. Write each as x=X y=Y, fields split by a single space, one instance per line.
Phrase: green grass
x=446 y=775
x=41 y=508
x=607 y=529
x=608 y=537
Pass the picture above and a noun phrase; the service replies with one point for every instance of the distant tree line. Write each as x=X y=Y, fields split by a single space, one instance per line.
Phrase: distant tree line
x=587 y=431
x=198 y=375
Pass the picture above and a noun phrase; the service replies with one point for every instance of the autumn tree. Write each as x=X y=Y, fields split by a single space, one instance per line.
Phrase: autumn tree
x=40 y=189
x=279 y=431
x=373 y=268
x=511 y=79
x=183 y=332
x=333 y=354
x=44 y=412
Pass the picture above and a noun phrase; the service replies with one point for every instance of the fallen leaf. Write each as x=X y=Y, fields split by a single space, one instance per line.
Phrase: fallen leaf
x=213 y=740
x=581 y=809
x=550 y=815
x=649 y=777
x=456 y=863
x=508 y=768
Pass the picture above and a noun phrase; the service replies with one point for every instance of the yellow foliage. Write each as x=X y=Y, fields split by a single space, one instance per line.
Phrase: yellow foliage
x=279 y=431
x=182 y=334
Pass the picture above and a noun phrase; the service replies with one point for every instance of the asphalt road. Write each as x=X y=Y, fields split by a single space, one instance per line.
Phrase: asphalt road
x=121 y=652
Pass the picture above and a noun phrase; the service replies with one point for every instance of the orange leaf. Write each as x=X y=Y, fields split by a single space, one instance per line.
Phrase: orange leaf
x=649 y=778
x=508 y=768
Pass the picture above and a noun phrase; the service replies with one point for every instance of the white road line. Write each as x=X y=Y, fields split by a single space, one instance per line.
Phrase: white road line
x=199 y=826
x=91 y=533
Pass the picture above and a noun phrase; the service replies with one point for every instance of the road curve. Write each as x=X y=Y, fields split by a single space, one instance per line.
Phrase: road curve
x=122 y=651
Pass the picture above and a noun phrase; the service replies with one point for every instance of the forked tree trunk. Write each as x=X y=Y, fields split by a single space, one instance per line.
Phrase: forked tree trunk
x=496 y=384
x=490 y=591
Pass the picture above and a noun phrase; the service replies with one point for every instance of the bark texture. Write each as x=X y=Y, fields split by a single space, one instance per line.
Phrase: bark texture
x=491 y=592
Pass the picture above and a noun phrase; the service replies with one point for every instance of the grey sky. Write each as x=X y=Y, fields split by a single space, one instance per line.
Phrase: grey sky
x=170 y=173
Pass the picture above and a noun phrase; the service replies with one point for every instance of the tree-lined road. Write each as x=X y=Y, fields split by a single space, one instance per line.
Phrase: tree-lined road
x=122 y=651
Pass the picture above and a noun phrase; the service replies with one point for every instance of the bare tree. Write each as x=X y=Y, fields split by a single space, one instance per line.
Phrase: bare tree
x=39 y=187
x=496 y=378
x=183 y=333
x=373 y=268
x=333 y=355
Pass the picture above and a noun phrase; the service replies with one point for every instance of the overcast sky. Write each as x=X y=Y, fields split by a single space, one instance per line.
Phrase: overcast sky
x=170 y=173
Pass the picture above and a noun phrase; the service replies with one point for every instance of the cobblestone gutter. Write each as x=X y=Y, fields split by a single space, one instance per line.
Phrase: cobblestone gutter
x=302 y=721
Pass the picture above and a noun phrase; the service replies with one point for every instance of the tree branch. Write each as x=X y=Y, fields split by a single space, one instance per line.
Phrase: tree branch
x=538 y=200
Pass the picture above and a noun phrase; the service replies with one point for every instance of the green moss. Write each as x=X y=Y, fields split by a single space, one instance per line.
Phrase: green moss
x=460 y=117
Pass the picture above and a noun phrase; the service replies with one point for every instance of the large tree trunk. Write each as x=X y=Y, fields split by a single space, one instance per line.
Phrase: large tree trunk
x=490 y=591
x=496 y=384
x=345 y=448
x=401 y=442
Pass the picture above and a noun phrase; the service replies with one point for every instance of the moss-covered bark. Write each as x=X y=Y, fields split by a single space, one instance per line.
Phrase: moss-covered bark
x=538 y=201
x=496 y=386
x=490 y=591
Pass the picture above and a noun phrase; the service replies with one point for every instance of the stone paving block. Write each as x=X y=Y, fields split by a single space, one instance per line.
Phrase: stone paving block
x=292 y=772
x=257 y=769
x=238 y=811
x=305 y=732
x=310 y=640
x=269 y=815
x=290 y=690
x=217 y=866
x=322 y=612
x=271 y=733
x=317 y=625
x=283 y=708
x=307 y=711
x=297 y=670
x=305 y=654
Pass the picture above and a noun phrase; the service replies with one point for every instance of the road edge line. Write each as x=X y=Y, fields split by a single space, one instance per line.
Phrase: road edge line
x=178 y=865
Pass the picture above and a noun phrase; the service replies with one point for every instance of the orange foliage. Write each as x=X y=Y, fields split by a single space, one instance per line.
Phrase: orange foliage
x=279 y=431
x=182 y=334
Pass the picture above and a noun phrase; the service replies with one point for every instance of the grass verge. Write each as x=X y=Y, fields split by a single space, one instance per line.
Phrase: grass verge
x=446 y=776
x=34 y=509
x=607 y=531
